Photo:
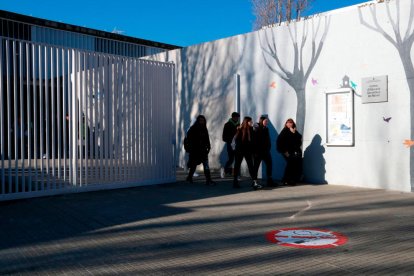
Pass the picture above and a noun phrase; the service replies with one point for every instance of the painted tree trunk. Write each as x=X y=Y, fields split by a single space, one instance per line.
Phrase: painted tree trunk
x=301 y=110
x=405 y=55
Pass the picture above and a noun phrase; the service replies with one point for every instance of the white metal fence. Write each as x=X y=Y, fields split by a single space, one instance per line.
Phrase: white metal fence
x=74 y=120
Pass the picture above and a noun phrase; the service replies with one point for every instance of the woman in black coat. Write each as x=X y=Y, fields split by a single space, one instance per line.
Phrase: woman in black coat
x=289 y=143
x=244 y=148
x=198 y=148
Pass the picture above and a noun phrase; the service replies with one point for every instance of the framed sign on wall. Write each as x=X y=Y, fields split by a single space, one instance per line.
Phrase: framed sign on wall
x=340 y=117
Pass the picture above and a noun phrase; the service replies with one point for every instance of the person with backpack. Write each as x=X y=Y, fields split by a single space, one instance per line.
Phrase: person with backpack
x=229 y=130
x=197 y=144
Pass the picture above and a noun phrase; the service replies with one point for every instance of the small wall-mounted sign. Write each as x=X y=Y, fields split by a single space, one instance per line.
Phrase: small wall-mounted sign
x=375 y=89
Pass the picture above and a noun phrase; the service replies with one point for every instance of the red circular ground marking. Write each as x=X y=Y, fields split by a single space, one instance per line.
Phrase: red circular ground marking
x=306 y=238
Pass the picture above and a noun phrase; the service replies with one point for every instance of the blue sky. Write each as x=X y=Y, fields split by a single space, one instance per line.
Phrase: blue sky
x=178 y=22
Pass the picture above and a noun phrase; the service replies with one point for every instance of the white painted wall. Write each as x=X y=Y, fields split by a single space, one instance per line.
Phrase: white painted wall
x=206 y=85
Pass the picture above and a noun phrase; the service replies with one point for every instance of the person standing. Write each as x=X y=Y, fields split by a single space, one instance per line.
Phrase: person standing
x=198 y=146
x=243 y=143
x=263 y=146
x=229 y=130
x=289 y=144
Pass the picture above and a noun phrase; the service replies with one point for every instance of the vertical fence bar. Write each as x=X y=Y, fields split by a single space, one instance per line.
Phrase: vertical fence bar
x=9 y=126
x=29 y=118
x=59 y=116
x=69 y=121
x=15 y=125
x=91 y=123
x=140 y=125
x=81 y=117
x=130 y=116
x=47 y=116
x=41 y=119
x=91 y=117
x=96 y=105
x=73 y=118
x=117 y=115
x=124 y=85
x=124 y=120
x=113 y=77
x=2 y=140
x=101 y=91
x=35 y=114
x=22 y=119
x=64 y=114
x=85 y=115
x=53 y=114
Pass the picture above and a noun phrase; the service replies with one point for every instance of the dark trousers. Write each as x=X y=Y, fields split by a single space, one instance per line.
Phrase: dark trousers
x=230 y=154
x=293 y=170
x=249 y=160
x=267 y=159
x=194 y=161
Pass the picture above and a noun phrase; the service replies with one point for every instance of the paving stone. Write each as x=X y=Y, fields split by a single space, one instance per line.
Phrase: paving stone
x=186 y=229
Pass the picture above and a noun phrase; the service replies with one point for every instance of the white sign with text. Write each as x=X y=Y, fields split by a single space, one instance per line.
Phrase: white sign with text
x=375 y=89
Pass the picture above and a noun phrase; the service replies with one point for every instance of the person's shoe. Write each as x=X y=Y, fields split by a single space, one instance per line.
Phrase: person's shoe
x=222 y=175
x=211 y=183
x=196 y=174
x=270 y=183
x=256 y=185
x=189 y=179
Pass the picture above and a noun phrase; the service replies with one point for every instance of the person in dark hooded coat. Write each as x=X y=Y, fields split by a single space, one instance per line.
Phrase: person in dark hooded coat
x=198 y=146
x=263 y=146
x=289 y=143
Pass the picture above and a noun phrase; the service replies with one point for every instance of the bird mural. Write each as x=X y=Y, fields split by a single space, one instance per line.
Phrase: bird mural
x=387 y=119
x=353 y=85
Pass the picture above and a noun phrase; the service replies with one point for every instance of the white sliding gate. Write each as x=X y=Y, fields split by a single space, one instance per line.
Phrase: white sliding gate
x=74 y=121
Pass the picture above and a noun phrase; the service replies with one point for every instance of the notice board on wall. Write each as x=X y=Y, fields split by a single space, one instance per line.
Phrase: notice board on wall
x=340 y=117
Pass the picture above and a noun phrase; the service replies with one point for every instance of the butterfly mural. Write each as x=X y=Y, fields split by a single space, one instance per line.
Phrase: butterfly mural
x=314 y=81
x=408 y=143
x=273 y=85
x=387 y=119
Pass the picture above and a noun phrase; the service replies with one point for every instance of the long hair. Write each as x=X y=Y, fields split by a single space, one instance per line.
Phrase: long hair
x=290 y=120
x=245 y=128
x=197 y=122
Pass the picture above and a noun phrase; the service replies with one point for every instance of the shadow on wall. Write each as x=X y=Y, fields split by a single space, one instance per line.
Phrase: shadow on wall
x=314 y=162
x=277 y=160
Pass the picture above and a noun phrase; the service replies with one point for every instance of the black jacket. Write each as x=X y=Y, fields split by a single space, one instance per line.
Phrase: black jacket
x=246 y=145
x=198 y=140
x=262 y=139
x=289 y=142
x=229 y=130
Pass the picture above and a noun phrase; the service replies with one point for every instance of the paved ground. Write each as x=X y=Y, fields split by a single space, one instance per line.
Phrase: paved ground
x=193 y=229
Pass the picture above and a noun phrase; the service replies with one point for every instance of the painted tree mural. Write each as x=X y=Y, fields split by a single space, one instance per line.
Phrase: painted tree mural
x=402 y=39
x=305 y=57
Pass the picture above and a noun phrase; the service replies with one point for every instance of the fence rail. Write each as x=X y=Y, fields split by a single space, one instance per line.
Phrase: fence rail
x=73 y=120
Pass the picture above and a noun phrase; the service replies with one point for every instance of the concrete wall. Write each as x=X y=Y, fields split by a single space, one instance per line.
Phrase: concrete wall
x=285 y=72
